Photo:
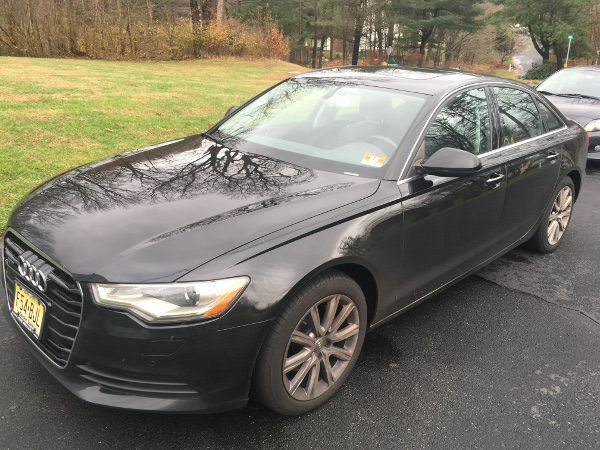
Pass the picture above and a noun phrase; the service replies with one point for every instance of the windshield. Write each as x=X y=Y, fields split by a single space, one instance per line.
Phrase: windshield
x=324 y=124
x=572 y=81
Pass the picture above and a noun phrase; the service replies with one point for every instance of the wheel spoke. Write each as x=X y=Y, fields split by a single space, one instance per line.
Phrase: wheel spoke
x=313 y=380
x=344 y=333
x=556 y=206
x=298 y=359
x=561 y=199
x=338 y=352
x=303 y=339
x=552 y=228
x=328 y=370
x=555 y=233
x=332 y=305
x=567 y=203
x=300 y=376
x=316 y=321
x=342 y=316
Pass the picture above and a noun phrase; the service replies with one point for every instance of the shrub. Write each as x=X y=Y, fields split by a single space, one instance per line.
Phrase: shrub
x=539 y=71
x=373 y=58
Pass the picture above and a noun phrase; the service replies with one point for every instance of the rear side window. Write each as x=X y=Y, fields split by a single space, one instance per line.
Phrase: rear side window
x=518 y=114
x=552 y=121
x=464 y=123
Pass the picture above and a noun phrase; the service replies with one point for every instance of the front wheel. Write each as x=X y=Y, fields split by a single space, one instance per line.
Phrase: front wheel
x=312 y=346
x=556 y=218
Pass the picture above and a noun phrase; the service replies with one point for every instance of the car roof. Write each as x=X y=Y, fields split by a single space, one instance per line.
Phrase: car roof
x=422 y=80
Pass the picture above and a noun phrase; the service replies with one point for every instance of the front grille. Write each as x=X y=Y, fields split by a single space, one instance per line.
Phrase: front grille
x=135 y=384
x=63 y=301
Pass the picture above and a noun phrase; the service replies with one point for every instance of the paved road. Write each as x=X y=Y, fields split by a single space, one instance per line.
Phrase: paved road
x=508 y=358
x=525 y=55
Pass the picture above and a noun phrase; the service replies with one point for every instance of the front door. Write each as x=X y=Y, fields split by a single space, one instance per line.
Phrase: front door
x=450 y=224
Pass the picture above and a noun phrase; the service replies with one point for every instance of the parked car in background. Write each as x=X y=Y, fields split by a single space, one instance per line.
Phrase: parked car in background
x=253 y=258
x=575 y=91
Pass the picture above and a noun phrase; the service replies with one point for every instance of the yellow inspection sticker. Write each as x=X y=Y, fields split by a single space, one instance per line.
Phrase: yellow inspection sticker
x=374 y=160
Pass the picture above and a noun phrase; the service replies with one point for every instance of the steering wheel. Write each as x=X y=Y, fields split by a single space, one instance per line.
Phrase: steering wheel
x=381 y=139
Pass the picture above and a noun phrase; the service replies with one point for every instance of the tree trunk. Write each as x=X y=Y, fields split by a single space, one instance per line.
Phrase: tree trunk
x=149 y=9
x=425 y=35
x=209 y=11
x=330 y=49
x=313 y=62
x=344 y=51
x=390 y=35
x=358 y=28
x=543 y=49
x=195 y=10
x=321 y=52
x=558 y=51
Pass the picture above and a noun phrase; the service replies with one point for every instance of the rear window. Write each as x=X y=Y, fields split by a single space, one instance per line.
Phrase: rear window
x=552 y=121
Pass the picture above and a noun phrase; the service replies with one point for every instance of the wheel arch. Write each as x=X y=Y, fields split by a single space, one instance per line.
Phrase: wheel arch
x=576 y=177
x=358 y=272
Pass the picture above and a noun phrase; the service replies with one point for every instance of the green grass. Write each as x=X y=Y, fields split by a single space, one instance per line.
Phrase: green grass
x=56 y=114
x=504 y=73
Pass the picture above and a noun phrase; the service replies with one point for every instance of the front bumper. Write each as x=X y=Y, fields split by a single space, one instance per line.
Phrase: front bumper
x=121 y=362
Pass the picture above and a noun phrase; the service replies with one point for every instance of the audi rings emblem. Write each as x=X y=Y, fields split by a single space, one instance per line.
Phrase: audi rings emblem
x=35 y=275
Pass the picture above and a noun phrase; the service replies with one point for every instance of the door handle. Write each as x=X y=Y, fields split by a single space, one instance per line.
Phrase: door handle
x=552 y=156
x=495 y=180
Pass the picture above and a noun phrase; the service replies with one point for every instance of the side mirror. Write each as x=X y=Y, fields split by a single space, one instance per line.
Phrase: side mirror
x=231 y=110
x=449 y=162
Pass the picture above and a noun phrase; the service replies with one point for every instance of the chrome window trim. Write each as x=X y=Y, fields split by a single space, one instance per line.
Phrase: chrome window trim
x=41 y=351
x=521 y=142
x=403 y=172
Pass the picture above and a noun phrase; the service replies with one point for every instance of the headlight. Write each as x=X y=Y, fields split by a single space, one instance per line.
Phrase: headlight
x=174 y=302
x=594 y=125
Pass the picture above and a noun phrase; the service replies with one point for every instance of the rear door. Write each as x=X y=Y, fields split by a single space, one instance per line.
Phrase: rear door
x=532 y=152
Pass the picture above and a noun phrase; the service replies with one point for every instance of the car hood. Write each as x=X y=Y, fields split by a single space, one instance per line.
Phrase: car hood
x=156 y=213
x=581 y=110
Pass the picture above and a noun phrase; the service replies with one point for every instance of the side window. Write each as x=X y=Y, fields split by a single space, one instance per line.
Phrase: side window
x=464 y=123
x=552 y=121
x=518 y=114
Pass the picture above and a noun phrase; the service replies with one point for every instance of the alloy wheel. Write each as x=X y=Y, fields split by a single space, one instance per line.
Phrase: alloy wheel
x=320 y=347
x=560 y=215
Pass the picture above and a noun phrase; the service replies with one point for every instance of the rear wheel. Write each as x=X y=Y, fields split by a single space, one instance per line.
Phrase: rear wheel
x=312 y=345
x=556 y=219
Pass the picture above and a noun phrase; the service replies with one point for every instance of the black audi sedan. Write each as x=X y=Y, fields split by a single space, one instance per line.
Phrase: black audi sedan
x=253 y=258
x=575 y=91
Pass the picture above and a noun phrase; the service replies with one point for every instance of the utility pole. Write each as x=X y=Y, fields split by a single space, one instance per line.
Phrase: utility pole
x=568 y=50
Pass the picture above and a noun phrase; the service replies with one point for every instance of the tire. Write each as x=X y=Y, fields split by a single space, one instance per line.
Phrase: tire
x=555 y=220
x=312 y=346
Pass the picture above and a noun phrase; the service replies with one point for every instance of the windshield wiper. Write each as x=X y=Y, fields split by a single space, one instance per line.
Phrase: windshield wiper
x=213 y=138
x=575 y=95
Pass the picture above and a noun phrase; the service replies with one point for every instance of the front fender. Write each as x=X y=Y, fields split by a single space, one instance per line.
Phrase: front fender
x=368 y=235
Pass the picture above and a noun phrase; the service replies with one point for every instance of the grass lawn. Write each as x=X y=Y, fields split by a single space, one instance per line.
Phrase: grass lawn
x=504 y=73
x=56 y=114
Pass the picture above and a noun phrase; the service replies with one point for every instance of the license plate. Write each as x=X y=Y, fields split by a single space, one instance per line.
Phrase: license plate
x=29 y=311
